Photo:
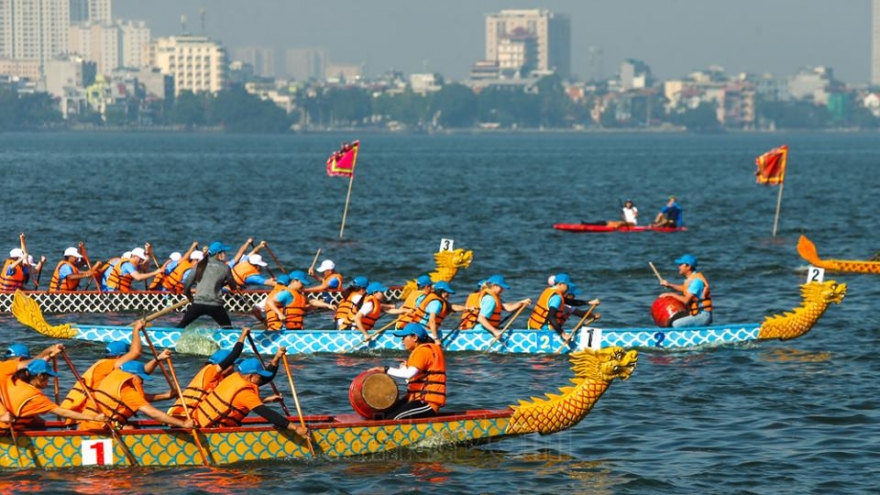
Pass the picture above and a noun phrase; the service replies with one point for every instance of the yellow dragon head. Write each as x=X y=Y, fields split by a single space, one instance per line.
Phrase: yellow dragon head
x=448 y=264
x=817 y=296
x=594 y=371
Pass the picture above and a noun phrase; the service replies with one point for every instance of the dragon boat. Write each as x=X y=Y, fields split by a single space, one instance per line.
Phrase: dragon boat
x=807 y=250
x=332 y=436
x=817 y=296
x=589 y=227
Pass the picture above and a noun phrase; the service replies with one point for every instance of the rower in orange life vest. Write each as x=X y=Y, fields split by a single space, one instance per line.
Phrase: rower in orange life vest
x=472 y=307
x=424 y=286
x=173 y=282
x=238 y=394
x=26 y=400
x=550 y=310
x=246 y=271
x=16 y=271
x=424 y=372
x=695 y=294
x=163 y=281
x=219 y=366
x=120 y=276
x=489 y=316
x=259 y=309
x=121 y=395
x=330 y=279
x=288 y=307
x=18 y=356
x=66 y=276
x=434 y=308
x=352 y=299
x=117 y=353
x=372 y=308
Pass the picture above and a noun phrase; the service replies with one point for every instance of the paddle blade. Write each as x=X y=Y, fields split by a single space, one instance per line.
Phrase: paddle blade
x=28 y=313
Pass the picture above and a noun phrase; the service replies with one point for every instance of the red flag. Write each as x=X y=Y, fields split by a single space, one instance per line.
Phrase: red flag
x=342 y=162
x=771 y=166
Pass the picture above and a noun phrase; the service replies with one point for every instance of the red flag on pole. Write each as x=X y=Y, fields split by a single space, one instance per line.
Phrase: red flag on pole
x=771 y=166
x=341 y=163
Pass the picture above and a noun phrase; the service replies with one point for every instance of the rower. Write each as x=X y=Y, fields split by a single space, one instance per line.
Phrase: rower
x=489 y=316
x=238 y=394
x=67 y=275
x=259 y=309
x=550 y=310
x=247 y=271
x=288 y=307
x=472 y=303
x=424 y=286
x=434 y=308
x=330 y=279
x=16 y=271
x=372 y=308
x=173 y=282
x=126 y=270
x=352 y=299
x=18 y=356
x=670 y=215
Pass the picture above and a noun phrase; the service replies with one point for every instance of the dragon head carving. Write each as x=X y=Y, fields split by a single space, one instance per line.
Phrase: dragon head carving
x=824 y=292
x=817 y=296
x=448 y=263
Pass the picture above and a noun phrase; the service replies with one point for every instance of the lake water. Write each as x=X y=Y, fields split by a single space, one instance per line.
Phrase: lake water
x=779 y=417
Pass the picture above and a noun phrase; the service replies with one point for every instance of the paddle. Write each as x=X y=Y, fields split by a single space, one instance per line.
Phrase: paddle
x=501 y=334
x=82 y=251
x=128 y=455
x=372 y=336
x=302 y=421
x=577 y=327
x=275 y=258
x=57 y=385
x=271 y=383
x=314 y=262
x=5 y=401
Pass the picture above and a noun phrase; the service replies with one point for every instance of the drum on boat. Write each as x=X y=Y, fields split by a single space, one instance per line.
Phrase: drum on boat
x=666 y=309
x=372 y=393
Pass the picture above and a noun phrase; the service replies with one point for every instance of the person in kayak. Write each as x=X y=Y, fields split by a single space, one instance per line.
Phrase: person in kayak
x=670 y=215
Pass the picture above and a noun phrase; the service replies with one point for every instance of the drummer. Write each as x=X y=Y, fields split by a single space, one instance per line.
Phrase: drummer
x=695 y=294
x=424 y=372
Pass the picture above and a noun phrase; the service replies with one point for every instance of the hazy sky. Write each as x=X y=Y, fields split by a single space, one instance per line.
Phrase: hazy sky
x=675 y=37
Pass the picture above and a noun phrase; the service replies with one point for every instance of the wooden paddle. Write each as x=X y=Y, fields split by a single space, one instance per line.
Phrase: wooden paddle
x=302 y=421
x=132 y=461
x=583 y=321
x=314 y=262
x=271 y=383
x=372 y=336
x=275 y=258
x=501 y=334
x=5 y=401
x=57 y=385
x=82 y=251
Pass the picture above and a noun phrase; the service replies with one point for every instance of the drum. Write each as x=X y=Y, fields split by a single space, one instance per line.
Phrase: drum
x=667 y=309
x=372 y=393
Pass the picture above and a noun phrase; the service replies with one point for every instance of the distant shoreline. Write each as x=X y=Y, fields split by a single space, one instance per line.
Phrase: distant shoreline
x=474 y=130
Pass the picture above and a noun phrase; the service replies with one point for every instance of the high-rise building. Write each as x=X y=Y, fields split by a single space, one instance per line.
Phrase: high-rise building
x=875 y=42
x=101 y=10
x=303 y=64
x=79 y=11
x=99 y=42
x=524 y=40
x=136 y=37
x=197 y=63
x=260 y=58
x=34 y=30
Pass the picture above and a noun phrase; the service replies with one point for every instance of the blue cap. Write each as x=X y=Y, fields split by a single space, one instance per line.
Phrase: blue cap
x=412 y=329
x=219 y=356
x=253 y=365
x=217 y=247
x=376 y=287
x=135 y=368
x=423 y=281
x=481 y=283
x=282 y=279
x=573 y=290
x=18 y=350
x=301 y=276
x=687 y=259
x=360 y=281
x=444 y=286
x=117 y=348
x=38 y=366
x=497 y=280
x=563 y=278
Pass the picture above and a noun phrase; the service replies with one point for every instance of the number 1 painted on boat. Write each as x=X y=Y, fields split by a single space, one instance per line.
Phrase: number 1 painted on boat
x=97 y=452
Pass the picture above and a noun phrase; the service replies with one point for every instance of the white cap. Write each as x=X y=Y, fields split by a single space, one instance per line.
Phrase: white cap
x=551 y=280
x=326 y=265
x=71 y=251
x=175 y=256
x=31 y=260
x=196 y=255
x=126 y=254
x=256 y=259
x=140 y=253
x=16 y=253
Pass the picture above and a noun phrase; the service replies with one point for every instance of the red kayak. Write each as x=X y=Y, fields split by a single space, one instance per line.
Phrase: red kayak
x=588 y=227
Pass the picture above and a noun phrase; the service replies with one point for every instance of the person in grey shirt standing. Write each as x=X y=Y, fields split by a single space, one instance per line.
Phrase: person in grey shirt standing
x=209 y=279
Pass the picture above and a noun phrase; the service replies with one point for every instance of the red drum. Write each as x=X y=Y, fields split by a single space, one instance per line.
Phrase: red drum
x=372 y=393
x=667 y=309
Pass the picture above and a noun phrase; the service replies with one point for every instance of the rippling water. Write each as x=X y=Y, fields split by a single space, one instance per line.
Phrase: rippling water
x=779 y=417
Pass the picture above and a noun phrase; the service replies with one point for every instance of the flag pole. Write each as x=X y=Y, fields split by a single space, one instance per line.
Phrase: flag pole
x=347 y=199
x=778 y=206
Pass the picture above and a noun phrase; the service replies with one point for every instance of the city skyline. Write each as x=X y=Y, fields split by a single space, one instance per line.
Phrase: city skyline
x=674 y=38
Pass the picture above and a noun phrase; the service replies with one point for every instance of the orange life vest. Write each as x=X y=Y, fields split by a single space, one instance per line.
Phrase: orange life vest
x=705 y=297
x=430 y=385
x=205 y=381
x=108 y=397
x=409 y=305
x=218 y=407
x=542 y=309
x=469 y=318
x=293 y=313
x=337 y=277
x=173 y=282
x=347 y=309
x=116 y=281
x=420 y=315
x=76 y=399
x=495 y=317
x=66 y=285
x=9 y=283
x=369 y=320
x=242 y=271
x=19 y=393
